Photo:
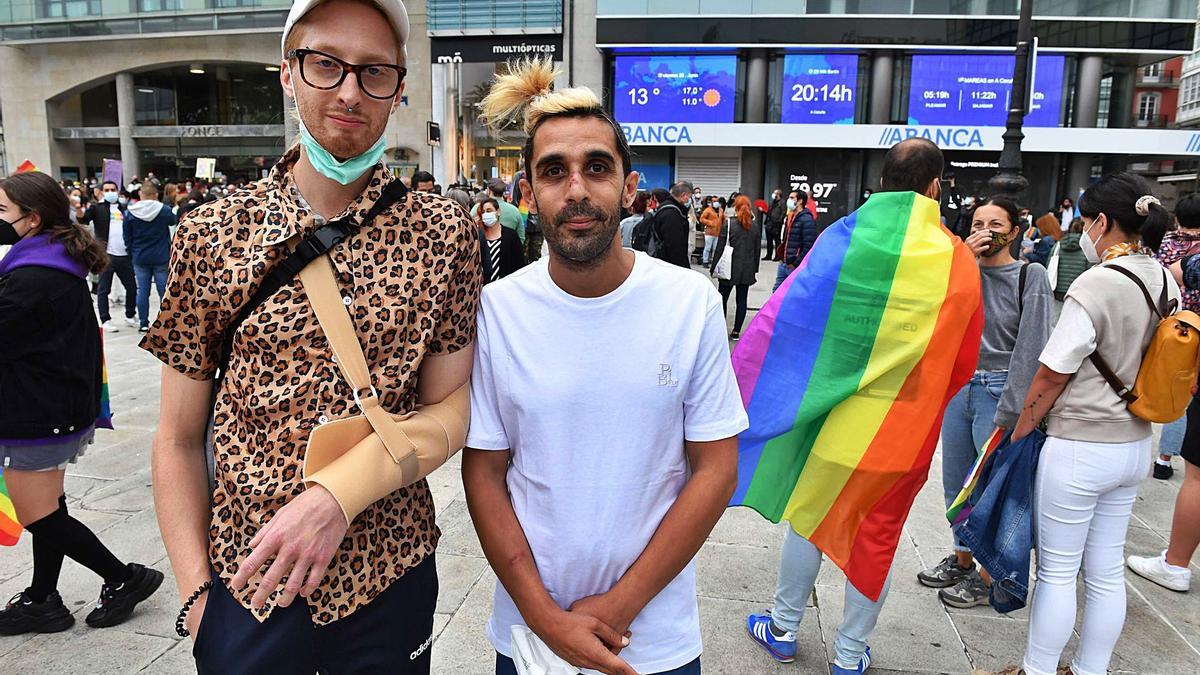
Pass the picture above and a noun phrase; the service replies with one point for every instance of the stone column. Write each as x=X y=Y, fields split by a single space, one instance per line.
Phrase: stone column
x=756 y=113
x=1087 y=108
x=126 y=118
x=879 y=111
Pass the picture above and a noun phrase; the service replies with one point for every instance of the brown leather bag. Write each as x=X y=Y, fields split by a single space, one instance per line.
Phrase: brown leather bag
x=382 y=451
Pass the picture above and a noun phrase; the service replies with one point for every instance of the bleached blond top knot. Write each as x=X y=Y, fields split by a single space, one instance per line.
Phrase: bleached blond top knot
x=529 y=87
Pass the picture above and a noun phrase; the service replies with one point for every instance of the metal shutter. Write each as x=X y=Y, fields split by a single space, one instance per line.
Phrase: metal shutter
x=713 y=175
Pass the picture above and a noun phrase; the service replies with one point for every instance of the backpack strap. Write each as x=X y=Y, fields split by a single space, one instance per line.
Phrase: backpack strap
x=1154 y=307
x=312 y=247
x=1098 y=361
x=1111 y=377
x=1021 y=290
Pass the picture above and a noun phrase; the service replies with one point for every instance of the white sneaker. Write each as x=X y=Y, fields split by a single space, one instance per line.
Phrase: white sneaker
x=131 y=321
x=110 y=328
x=1158 y=570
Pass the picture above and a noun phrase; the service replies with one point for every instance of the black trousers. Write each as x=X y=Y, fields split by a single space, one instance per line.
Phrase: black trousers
x=392 y=634
x=122 y=266
x=773 y=232
x=743 y=291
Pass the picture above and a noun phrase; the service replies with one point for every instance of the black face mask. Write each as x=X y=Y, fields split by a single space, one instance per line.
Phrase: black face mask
x=8 y=233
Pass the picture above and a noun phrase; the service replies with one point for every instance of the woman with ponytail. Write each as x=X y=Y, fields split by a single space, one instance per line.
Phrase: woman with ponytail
x=1096 y=452
x=50 y=382
x=743 y=232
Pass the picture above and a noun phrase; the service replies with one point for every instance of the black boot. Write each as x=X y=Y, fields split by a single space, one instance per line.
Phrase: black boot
x=23 y=615
x=117 y=601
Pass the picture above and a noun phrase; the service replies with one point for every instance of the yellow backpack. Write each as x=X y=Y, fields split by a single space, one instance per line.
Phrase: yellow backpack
x=1166 y=380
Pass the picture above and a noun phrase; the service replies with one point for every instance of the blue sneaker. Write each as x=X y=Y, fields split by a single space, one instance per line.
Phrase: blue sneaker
x=781 y=648
x=863 y=664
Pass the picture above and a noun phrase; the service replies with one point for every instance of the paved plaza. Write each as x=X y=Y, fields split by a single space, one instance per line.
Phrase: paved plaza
x=109 y=490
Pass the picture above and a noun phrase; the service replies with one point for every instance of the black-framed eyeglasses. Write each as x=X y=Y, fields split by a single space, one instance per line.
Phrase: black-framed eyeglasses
x=326 y=71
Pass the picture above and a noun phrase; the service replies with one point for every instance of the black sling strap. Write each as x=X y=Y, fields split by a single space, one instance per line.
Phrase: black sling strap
x=312 y=247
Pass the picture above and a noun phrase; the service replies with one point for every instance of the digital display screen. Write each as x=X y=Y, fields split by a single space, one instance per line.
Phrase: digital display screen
x=975 y=89
x=819 y=88
x=698 y=88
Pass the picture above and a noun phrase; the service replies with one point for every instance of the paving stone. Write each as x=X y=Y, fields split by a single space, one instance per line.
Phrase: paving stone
x=737 y=573
x=91 y=651
x=176 y=661
x=913 y=635
x=446 y=486
x=743 y=526
x=458 y=533
x=728 y=649
x=457 y=575
x=462 y=647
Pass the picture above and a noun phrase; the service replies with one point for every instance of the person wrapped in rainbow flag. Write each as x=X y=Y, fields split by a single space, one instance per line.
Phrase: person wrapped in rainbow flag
x=845 y=374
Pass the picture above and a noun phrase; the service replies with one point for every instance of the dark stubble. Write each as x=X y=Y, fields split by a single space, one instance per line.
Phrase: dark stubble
x=583 y=249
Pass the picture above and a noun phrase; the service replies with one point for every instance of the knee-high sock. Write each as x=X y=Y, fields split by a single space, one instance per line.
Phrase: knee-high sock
x=74 y=540
x=47 y=563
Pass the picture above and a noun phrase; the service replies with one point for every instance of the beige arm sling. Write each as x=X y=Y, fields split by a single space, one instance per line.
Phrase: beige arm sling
x=363 y=458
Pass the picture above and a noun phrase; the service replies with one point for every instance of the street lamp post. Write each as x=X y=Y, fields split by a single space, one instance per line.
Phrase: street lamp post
x=1010 y=181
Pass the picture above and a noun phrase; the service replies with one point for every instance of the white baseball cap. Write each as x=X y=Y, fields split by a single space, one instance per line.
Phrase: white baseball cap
x=393 y=9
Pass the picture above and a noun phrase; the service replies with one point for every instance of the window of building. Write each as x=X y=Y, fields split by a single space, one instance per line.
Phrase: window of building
x=225 y=4
x=158 y=5
x=1147 y=108
x=1106 y=83
x=1152 y=71
x=63 y=9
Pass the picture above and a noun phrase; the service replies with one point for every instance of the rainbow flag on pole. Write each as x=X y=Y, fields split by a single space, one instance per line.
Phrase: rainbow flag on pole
x=104 y=419
x=10 y=529
x=846 y=373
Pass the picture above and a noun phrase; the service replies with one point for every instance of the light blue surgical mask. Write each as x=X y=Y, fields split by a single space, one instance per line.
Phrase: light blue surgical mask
x=343 y=172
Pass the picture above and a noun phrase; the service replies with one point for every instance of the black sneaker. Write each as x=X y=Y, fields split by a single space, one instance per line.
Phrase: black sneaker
x=1163 y=471
x=944 y=574
x=117 y=601
x=23 y=615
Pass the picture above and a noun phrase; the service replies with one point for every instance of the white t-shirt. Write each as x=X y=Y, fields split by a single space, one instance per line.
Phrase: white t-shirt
x=116 y=231
x=595 y=397
x=1073 y=339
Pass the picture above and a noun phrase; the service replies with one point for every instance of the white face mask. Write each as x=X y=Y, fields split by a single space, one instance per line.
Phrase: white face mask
x=1089 y=246
x=489 y=218
x=791 y=204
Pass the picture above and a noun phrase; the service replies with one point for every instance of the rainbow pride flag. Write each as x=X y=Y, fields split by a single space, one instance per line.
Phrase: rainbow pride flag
x=10 y=529
x=104 y=420
x=845 y=374
x=959 y=509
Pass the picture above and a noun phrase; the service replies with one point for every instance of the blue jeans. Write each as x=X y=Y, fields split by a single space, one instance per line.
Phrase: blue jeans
x=142 y=273
x=785 y=270
x=710 y=247
x=970 y=419
x=798 y=569
x=1170 y=443
x=505 y=666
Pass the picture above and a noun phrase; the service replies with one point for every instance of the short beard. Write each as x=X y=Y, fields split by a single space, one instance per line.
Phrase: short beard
x=583 y=250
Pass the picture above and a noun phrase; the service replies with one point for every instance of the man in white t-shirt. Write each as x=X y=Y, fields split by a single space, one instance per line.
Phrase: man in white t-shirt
x=602 y=447
x=107 y=219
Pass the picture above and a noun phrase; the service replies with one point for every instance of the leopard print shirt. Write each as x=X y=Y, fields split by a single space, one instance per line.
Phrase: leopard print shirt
x=411 y=281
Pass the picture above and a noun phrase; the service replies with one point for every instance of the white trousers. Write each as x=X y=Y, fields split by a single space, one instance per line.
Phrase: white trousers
x=1084 y=494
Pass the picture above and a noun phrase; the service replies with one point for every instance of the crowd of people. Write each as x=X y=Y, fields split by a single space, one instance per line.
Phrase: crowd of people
x=331 y=335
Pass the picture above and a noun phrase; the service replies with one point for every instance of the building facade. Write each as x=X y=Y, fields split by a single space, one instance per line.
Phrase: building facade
x=755 y=94
x=158 y=84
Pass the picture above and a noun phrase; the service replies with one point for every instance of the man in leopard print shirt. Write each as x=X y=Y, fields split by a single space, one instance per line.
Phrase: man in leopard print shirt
x=410 y=280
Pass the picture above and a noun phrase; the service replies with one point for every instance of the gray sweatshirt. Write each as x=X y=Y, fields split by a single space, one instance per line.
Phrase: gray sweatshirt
x=1013 y=338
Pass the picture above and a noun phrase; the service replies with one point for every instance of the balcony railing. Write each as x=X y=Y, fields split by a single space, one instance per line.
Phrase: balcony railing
x=1153 y=122
x=1160 y=80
